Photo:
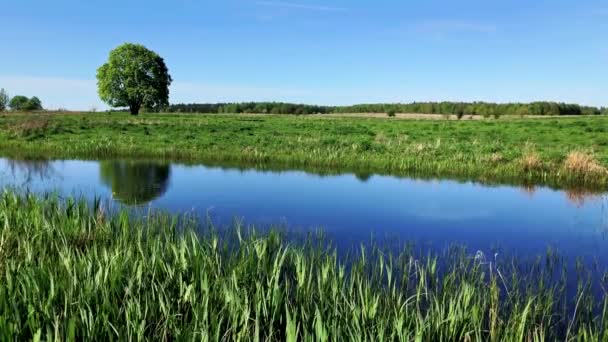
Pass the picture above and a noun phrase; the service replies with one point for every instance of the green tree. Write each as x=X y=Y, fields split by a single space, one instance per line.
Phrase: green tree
x=135 y=183
x=33 y=104
x=4 y=100
x=459 y=110
x=134 y=77
x=18 y=102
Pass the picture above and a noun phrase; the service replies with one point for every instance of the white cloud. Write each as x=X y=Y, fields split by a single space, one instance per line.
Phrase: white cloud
x=292 y=5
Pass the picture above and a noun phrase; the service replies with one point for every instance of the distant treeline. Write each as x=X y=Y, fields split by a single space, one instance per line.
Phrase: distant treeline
x=453 y=108
x=250 y=107
x=475 y=108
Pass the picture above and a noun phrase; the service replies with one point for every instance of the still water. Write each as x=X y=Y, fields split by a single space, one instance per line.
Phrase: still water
x=350 y=209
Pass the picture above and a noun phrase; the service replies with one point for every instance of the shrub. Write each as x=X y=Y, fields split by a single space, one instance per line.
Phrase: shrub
x=581 y=163
x=531 y=161
x=33 y=125
x=391 y=113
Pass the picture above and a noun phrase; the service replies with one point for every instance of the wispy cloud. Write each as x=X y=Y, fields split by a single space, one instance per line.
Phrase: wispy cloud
x=301 y=6
x=446 y=27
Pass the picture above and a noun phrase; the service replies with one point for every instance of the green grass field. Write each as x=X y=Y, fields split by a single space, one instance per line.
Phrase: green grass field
x=561 y=152
x=69 y=271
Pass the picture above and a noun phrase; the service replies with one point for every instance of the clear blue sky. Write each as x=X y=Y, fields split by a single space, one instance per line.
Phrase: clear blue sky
x=313 y=51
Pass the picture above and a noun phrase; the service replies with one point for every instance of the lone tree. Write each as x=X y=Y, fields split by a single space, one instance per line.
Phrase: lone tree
x=4 y=100
x=134 y=77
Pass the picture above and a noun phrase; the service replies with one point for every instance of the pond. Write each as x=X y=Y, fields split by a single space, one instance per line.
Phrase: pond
x=350 y=209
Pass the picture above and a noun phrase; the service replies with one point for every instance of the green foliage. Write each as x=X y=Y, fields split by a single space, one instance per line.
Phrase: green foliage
x=69 y=271
x=247 y=107
x=4 y=100
x=134 y=77
x=22 y=103
x=33 y=104
x=18 y=102
x=390 y=113
x=459 y=109
x=474 y=108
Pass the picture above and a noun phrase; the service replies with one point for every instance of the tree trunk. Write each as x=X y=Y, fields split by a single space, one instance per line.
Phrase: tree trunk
x=134 y=108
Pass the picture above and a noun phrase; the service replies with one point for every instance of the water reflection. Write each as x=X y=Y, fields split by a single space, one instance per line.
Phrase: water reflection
x=529 y=190
x=139 y=182
x=349 y=207
x=135 y=182
x=363 y=177
x=29 y=170
x=574 y=196
x=579 y=197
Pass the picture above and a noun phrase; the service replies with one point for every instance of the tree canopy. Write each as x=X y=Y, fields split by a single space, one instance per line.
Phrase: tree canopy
x=23 y=103
x=18 y=102
x=34 y=104
x=134 y=77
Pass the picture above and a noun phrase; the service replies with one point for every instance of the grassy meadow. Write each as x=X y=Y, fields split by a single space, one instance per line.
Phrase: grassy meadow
x=561 y=152
x=72 y=271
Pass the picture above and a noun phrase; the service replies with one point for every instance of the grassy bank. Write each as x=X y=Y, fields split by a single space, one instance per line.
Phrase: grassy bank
x=68 y=271
x=562 y=152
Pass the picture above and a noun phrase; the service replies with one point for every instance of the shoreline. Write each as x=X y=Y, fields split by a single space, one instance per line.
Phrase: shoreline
x=362 y=145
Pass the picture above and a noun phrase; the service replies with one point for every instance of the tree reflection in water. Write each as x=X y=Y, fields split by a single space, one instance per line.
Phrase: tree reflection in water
x=29 y=170
x=134 y=182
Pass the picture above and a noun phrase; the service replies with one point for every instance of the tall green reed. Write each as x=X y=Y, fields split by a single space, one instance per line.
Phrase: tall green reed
x=70 y=271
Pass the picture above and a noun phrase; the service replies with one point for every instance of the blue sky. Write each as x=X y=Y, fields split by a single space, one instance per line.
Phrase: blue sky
x=325 y=52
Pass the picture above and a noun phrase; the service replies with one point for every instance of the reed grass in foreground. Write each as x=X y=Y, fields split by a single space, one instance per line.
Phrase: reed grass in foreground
x=71 y=272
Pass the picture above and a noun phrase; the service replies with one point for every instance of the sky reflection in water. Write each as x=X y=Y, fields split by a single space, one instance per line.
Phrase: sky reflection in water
x=350 y=209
